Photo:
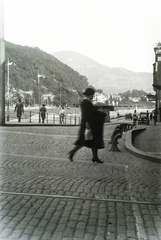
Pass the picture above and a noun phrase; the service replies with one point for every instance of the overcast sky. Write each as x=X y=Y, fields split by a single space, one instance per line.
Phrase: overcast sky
x=116 y=33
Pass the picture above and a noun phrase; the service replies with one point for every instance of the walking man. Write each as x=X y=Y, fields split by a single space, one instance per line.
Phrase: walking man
x=19 y=109
x=43 y=112
x=135 y=118
x=62 y=116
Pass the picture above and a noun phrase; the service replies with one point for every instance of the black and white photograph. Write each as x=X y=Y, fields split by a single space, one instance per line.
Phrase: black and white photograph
x=80 y=120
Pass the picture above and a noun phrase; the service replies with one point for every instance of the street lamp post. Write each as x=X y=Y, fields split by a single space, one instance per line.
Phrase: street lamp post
x=75 y=92
x=60 y=95
x=75 y=101
x=8 y=85
x=38 y=81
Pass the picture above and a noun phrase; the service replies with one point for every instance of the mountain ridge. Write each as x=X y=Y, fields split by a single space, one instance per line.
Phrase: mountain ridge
x=110 y=80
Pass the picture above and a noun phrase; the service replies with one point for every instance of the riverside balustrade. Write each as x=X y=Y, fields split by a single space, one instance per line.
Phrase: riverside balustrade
x=71 y=118
x=51 y=118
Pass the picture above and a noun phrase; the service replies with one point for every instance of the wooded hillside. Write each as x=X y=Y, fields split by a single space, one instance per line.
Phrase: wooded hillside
x=26 y=63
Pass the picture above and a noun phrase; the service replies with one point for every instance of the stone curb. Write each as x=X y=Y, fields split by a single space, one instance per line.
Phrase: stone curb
x=129 y=139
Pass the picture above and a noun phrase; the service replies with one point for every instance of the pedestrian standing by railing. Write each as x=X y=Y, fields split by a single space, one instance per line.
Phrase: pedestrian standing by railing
x=62 y=116
x=19 y=108
x=43 y=112
x=147 y=114
x=135 y=118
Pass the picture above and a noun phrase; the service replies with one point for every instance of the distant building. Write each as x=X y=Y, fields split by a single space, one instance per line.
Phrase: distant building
x=134 y=99
x=100 y=97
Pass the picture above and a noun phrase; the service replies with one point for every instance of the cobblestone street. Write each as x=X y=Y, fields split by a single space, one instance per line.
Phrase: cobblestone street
x=44 y=196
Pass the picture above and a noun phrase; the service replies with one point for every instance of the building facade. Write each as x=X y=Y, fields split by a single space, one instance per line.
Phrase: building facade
x=157 y=80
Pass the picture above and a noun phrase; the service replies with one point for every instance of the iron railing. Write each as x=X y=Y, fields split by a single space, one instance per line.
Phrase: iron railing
x=51 y=118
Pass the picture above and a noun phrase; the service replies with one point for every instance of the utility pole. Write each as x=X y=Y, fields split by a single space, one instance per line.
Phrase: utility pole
x=38 y=82
x=8 y=86
x=60 y=95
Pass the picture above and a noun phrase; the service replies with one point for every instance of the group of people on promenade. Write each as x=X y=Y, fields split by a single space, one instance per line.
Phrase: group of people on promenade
x=61 y=114
x=19 y=109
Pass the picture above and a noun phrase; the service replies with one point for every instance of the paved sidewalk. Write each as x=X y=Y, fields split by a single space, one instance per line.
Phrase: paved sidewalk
x=43 y=196
x=146 y=144
x=150 y=139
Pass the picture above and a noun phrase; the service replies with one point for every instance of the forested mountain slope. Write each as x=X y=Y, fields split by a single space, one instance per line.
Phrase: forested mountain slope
x=26 y=63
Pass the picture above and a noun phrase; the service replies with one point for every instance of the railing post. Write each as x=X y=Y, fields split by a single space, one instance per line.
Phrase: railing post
x=47 y=118
x=30 y=116
x=75 y=120
x=39 y=118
